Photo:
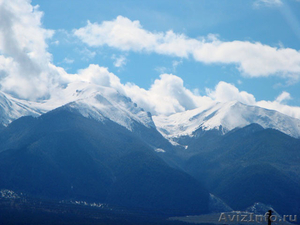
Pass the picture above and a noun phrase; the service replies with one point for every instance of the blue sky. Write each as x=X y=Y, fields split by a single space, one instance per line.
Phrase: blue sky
x=229 y=19
x=252 y=45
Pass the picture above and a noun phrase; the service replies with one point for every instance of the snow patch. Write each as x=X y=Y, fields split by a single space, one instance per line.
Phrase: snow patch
x=159 y=150
x=8 y=194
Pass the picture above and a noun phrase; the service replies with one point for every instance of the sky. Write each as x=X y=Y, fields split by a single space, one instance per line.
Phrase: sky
x=168 y=56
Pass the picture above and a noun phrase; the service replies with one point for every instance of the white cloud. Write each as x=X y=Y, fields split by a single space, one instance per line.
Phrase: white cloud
x=121 y=33
x=25 y=68
x=68 y=61
x=55 y=42
x=225 y=92
x=127 y=35
x=87 y=54
x=161 y=69
x=268 y=3
x=284 y=96
x=119 y=61
x=175 y=64
x=252 y=59
x=166 y=95
x=292 y=111
x=96 y=75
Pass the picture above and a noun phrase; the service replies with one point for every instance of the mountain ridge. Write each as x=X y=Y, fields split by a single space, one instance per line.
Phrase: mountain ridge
x=224 y=117
x=100 y=103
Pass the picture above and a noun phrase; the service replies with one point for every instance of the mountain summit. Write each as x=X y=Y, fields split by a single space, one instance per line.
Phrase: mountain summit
x=92 y=143
x=101 y=103
x=224 y=117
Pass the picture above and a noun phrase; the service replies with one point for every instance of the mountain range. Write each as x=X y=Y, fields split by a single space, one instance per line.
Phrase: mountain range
x=93 y=143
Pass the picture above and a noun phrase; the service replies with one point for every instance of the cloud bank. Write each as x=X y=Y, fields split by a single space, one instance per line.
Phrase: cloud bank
x=252 y=59
x=26 y=70
x=168 y=95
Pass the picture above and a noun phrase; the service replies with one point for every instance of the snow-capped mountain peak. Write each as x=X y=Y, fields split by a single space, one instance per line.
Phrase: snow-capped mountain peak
x=12 y=109
x=102 y=103
x=225 y=116
x=92 y=101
